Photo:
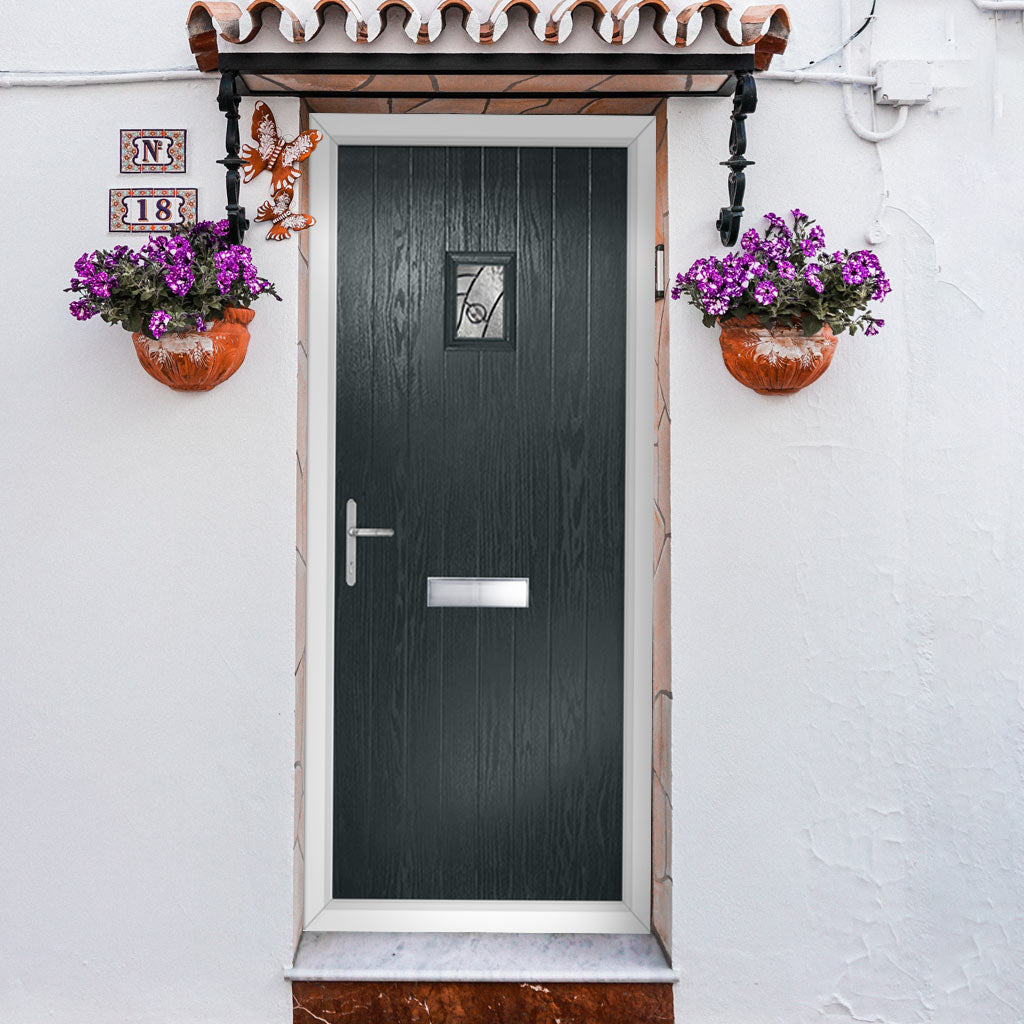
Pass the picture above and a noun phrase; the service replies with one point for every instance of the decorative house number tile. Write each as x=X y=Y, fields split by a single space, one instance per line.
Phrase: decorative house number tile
x=152 y=150
x=152 y=209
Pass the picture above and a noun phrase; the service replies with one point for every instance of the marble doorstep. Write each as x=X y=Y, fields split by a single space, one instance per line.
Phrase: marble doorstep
x=477 y=956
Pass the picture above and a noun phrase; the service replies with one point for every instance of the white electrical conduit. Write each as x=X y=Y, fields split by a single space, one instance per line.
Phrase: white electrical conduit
x=851 y=117
x=816 y=76
x=999 y=5
x=62 y=78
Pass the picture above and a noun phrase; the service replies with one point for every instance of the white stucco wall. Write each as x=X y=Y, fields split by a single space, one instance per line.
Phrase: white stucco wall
x=147 y=554
x=849 y=575
x=848 y=598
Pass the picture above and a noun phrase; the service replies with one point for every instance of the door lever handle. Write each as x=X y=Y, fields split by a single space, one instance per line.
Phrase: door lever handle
x=352 y=535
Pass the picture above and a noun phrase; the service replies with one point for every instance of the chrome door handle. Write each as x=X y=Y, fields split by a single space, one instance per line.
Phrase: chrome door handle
x=352 y=535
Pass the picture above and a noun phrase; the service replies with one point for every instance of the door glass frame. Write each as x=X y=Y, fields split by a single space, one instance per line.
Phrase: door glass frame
x=632 y=914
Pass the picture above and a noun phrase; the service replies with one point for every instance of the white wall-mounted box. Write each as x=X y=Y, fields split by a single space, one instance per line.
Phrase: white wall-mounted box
x=903 y=83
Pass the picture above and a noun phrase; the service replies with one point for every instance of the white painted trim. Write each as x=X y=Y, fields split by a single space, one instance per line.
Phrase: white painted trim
x=477 y=916
x=632 y=914
x=319 y=748
x=599 y=130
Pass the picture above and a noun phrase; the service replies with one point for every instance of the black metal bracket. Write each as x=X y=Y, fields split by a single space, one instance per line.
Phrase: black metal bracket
x=744 y=102
x=252 y=74
x=227 y=100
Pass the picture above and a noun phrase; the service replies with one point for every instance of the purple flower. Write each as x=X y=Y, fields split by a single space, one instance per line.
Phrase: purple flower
x=811 y=276
x=100 y=283
x=872 y=328
x=775 y=249
x=227 y=270
x=750 y=241
x=702 y=270
x=201 y=324
x=84 y=263
x=765 y=292
x=179 y=278
x=870 y=260
x=853 y=272
x=231 y=262
x=158 y=323
x=155 y=250
x=858 y=267
x=83 y=309
x=180 y=249
x=786 y=270
x=221 y=228
x=813 y=242
x=717 y=307
x=115 y=254
x=882 y=288
x=798 y=215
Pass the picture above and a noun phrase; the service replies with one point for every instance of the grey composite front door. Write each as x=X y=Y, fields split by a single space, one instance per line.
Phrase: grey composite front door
x=480 y=416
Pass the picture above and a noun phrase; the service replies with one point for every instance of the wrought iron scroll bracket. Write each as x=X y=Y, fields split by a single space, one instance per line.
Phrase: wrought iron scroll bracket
x=744 y=103
x=227 y=100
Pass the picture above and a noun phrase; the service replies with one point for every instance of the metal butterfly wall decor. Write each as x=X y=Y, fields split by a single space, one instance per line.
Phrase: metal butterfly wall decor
x=285 y=220
x=280 y=157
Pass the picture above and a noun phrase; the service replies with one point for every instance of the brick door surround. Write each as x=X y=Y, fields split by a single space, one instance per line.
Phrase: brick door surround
x=593 y=1002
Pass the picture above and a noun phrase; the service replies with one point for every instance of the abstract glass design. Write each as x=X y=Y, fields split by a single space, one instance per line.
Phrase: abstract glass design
x=480 y=300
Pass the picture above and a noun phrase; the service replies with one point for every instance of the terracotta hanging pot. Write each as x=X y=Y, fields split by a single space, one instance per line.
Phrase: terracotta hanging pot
x=776 y=361
x=197 y=360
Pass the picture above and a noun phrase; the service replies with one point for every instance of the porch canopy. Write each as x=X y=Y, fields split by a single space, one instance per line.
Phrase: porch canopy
x=635 y=54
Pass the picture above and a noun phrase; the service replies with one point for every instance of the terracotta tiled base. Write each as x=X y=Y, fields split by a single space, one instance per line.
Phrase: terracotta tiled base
x=360 y=1002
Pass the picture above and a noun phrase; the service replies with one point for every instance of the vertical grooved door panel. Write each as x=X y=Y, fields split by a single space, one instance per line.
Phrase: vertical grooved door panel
x=478 y=751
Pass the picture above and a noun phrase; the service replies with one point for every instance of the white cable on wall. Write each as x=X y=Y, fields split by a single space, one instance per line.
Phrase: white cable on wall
x=851 y=117
x=70 y=78
x=830 y=78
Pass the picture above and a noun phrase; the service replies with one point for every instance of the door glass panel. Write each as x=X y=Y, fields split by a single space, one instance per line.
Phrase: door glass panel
x=480 y=300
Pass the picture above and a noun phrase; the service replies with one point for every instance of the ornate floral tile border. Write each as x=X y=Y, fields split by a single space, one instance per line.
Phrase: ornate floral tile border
x=763 y=27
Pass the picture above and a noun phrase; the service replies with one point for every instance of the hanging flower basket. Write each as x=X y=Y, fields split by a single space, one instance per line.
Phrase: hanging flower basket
x=197 y=360
x=777 y=360
x=184 y=297
x=781 y=300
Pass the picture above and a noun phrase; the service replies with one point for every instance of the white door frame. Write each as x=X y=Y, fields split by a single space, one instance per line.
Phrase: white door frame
x=632 y=913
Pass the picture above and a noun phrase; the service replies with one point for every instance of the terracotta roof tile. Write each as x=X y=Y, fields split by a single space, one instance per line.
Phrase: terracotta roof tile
x=765 y=27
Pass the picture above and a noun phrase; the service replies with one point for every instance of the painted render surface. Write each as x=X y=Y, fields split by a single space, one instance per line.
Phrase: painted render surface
x=848 y=587
x=148 y=606
x=848 y=594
